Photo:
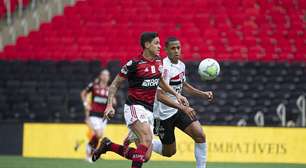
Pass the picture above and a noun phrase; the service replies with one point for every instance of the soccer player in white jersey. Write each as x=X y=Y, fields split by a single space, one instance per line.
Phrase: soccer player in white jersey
x=167 y=118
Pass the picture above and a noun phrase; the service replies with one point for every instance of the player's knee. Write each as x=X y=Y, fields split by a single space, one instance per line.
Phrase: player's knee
x=169 y=153
x=99 y=133
x=146 y=139
x=200 y=138
x=147 y=158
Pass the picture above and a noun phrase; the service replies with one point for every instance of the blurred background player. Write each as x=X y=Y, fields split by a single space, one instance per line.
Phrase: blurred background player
x=167 y=118
x=144 y=75
x=94 y=109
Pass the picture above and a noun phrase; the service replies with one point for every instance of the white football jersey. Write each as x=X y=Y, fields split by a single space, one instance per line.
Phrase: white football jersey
x=174 y=75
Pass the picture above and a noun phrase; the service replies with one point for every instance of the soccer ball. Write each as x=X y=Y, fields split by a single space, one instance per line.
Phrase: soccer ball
x=209 y=69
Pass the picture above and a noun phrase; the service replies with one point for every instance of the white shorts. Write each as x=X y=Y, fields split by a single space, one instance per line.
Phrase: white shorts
x=97 y=123
x=132 y=113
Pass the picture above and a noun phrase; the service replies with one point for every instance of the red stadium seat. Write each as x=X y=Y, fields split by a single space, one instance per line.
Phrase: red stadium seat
x=228 y=30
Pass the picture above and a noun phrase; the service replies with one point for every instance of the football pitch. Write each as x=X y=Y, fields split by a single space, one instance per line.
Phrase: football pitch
x=20 y=162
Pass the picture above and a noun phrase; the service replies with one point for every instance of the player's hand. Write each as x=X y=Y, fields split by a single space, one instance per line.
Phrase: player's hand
x=189 y=111
x=209 y=95
x=109 y=112
x=87 y=106
x=182 y=100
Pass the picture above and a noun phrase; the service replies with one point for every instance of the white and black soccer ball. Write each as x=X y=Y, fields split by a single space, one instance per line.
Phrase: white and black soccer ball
x=209 y=69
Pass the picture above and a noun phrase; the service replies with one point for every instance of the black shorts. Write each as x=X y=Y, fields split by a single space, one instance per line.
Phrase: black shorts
x=165 y=128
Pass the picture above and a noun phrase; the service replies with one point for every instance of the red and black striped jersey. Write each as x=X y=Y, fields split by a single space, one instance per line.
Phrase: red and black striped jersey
x=143 y=78
x=98 y=97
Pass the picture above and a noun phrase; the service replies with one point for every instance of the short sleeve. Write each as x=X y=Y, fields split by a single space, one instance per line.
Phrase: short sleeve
x=127 y=69
x=166 y=75
x=89 y=87
x=184 y=73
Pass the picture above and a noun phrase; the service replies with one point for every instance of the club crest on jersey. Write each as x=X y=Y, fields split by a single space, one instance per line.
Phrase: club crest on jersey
x=129 y=63
x=150 y=82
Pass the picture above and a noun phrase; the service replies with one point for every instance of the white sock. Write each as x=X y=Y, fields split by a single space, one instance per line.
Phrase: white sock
x=88 y=150
x=157 y=146
x=200 y=154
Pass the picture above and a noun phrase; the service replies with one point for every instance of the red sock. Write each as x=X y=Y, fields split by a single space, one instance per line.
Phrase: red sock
x=94 y=141
x=119 y=149
x=138 y=156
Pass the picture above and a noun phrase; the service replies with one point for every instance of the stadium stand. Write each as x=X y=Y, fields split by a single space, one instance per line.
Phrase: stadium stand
x=50 y=91
x=13 y=6
x=260 y=44
x=242 y=30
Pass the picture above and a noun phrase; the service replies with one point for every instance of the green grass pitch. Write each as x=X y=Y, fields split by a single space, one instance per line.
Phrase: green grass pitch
x=20 y=162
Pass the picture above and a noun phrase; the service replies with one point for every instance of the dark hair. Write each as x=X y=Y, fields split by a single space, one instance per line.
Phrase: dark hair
x=170 y=39
x=147 y=37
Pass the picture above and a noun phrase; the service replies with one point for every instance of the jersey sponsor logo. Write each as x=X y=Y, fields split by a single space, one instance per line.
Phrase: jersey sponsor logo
x=150 y=82
x=101 y=100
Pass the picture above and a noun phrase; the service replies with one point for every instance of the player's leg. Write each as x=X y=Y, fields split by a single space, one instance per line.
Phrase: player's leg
x=166 y=146
x=194 y=129
x=149 y=151
x=141 y=128
x=144 y=149
x=97 y=126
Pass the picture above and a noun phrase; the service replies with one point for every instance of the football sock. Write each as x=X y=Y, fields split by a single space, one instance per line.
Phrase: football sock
x=200 y=154
x=138 y=156
x=94 y=141
x=157 y=146
x=119 y=149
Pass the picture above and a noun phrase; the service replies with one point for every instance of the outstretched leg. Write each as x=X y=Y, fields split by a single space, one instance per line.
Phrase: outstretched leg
x=144 y=134
x=195 y=131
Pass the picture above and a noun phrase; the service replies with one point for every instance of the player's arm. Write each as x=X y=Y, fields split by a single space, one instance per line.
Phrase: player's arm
x=162 y=97
x=166 y=87
x=84 y=94
x=196 y=92
x=114 y=101
x=110 y=111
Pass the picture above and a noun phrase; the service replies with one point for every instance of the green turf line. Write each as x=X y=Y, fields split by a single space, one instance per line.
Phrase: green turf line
x=20 y=162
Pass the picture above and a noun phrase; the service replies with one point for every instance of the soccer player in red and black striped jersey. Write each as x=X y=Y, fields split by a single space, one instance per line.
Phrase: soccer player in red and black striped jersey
x=94 y=111
x=144 y=76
